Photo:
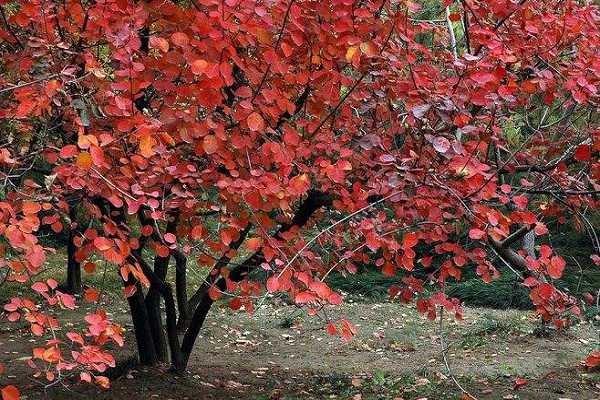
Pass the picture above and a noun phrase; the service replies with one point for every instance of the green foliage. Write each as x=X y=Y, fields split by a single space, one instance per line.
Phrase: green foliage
x=369 y=285
x=505 y=292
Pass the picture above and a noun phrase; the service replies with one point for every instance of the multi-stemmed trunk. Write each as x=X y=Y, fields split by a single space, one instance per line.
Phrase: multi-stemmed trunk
x=184 y=318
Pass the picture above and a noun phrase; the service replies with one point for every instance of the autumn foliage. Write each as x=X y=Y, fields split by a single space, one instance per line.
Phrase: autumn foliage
x=291 y=137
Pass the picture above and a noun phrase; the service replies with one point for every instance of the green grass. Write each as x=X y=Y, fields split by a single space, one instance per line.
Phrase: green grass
x=489 y=325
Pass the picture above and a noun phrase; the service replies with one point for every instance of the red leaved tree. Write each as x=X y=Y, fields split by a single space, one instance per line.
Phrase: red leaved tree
x=288 y=136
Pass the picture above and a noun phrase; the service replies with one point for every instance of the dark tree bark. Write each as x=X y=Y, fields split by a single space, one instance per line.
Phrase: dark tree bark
x=152 y=303
x=73 y=280
x=141 y=326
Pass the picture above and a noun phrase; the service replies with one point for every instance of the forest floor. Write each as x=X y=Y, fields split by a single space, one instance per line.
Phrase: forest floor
x=279 y=353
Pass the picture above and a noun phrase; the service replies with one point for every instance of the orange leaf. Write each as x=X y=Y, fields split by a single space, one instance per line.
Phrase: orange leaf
x=102 y=381
x=31 y=208
x=84 y=160
x=254 y=243
x=351 y=52
x=199 y=66
x=146 y=145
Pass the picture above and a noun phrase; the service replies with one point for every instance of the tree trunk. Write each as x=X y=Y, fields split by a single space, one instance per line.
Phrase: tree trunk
x=73 y=282
x=154 y=313
x=181 y=285
x=141 y=326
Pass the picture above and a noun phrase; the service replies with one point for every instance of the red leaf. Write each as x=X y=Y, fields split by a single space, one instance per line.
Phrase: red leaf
x=331 y=329
x=37 y=330
x=519 y=382
x=304 y=297
x=409 y=240
x=89 y=267
x=388 y=269
x=556 y=267
x=30 y=208
x=129 y=290
x=254 y=243
x=214 y=293
x=68 y=151
x=255 y=122
x=40 y=287
x=199 y=66
x=299 y=184
x=103 y=244
x=85 y=377
x=180 y=39
x=335 y=299
x=321 y=289
x=476 y=234
x=521 y=202
x=75 y=337
x=159 y=43
x=272 y=284
x=97 y=155
x=483 y=77
x=91 y=295
x=530 y=282
x=10 y=393
x=593 y=360
x=583 y=152
x=162 y=251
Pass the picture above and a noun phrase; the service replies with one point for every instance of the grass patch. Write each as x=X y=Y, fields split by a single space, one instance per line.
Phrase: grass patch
x=490 y=325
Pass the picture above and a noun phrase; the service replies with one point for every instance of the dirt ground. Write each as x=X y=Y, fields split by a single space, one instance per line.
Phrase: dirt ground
x=280 y=353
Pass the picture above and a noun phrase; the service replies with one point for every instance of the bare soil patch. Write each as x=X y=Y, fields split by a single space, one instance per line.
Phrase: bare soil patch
x=279 y=353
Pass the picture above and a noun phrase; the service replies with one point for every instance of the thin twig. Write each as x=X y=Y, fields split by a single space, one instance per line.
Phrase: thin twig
x=446 y=362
